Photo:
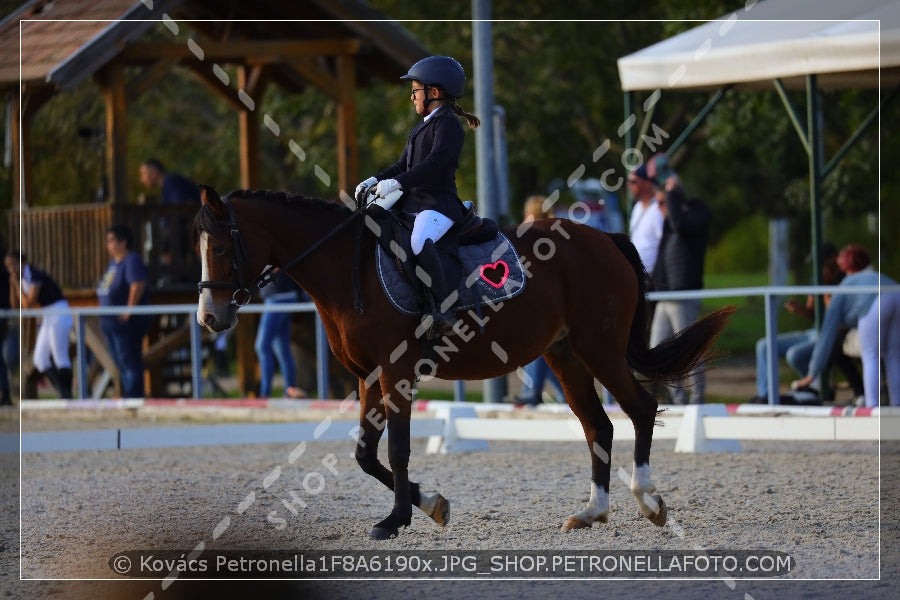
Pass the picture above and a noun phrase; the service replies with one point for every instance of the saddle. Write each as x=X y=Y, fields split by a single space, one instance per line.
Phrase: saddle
x=487 y=264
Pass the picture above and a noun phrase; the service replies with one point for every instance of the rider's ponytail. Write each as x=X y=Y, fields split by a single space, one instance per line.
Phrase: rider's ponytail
x=459 y=112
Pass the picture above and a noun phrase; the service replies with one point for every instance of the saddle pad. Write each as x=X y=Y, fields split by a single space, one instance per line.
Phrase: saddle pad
x=491 y=270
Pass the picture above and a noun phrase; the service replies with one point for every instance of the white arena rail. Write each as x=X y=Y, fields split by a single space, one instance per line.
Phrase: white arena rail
x=457 y=428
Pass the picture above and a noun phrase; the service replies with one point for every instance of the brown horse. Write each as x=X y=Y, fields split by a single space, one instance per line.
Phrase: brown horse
x=583 y=309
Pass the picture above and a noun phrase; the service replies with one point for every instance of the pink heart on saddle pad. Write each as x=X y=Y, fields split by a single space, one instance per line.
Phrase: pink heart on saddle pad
x=495 y=274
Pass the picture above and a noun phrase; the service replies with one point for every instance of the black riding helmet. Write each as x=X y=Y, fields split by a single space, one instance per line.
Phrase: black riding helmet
x=439 y=71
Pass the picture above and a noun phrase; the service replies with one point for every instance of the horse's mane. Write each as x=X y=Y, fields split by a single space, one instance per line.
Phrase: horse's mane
x=207 y=221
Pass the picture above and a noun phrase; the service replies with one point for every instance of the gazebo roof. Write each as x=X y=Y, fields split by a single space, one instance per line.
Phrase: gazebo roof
x=65 y=41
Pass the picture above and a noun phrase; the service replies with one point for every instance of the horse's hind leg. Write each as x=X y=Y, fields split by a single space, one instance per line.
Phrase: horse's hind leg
x=641 y=408
x=578 y=384
x=373 y=419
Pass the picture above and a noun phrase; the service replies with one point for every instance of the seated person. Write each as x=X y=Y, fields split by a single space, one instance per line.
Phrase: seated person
x=796 y=347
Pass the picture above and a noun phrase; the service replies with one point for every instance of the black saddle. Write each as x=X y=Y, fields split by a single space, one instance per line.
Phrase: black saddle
x=483 y=264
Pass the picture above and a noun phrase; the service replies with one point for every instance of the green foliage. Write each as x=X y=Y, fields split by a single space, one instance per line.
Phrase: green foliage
x=558 y=82
x=743 y=248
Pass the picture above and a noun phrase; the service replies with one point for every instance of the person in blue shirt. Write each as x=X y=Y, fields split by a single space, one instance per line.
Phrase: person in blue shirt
x=173 y=188
x=877 y=317
x=423 y=180
x=176 y=258
x=125 y=284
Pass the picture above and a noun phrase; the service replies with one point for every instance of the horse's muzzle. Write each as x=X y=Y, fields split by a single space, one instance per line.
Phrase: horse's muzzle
x=215 y=324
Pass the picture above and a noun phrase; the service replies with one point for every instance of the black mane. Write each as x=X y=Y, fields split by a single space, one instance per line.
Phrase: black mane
x=207 y=221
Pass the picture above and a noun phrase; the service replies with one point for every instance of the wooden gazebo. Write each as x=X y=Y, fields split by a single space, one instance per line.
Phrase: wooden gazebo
x=333 y=46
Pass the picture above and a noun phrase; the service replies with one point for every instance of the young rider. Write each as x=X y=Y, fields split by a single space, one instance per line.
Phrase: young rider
x=424 y=177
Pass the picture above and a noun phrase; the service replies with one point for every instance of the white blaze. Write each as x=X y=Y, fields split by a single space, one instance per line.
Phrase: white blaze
x=205 y=303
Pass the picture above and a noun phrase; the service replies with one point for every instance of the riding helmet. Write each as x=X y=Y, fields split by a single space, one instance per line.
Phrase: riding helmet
x=442 y=71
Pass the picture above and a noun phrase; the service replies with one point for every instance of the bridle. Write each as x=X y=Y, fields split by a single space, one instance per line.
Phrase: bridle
x=242 y=293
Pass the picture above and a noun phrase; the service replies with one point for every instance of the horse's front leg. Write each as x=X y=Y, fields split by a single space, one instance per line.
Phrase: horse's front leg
x=373 y=420
x=398 y=458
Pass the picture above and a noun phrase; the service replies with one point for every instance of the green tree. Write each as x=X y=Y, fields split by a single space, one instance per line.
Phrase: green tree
x=558 y=81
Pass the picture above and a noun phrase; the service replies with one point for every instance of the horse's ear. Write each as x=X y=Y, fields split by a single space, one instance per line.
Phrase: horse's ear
x=210 y=196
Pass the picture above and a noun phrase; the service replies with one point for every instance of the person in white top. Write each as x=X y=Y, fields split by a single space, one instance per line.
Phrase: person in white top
x=646 y=225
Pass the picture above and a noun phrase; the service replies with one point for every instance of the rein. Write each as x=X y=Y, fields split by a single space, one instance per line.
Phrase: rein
x=243 y=294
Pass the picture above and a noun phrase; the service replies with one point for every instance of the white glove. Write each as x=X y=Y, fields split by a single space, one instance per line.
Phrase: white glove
x=386 y=193
x=365 y=185
x=386 y=187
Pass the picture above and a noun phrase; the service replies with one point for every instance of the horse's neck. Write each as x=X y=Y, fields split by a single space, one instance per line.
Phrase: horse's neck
x=325 y=273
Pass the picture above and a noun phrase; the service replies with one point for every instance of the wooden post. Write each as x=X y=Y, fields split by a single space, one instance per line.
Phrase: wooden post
x=22 y=110
x=248 y=125
x=18 y=200
x=112 y=82
x=348 y=147
x=249 y=81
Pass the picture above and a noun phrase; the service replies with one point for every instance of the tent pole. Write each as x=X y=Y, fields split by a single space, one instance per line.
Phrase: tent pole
x=698 y=120
x=792 y=114
x=814 y=122
x=628 y=103
x=863 y=127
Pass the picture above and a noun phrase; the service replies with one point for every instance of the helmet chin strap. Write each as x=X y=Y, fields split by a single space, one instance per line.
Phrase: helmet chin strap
x=428 y=100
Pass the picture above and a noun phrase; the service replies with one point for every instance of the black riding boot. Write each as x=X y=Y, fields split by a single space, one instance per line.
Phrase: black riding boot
x=61 y=379
x=51 y=376
x=438 y=291
x=64 y=382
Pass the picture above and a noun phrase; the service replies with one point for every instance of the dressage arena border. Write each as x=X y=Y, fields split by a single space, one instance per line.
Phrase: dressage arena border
x=458 y=427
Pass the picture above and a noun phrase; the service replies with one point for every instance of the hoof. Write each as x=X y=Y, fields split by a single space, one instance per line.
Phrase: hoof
x=436 y=507
x=380 y=533
x=441 y=512
x=574 y=522
x=658 y=517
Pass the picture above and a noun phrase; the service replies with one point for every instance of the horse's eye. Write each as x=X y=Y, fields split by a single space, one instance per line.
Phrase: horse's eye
x=219 y=250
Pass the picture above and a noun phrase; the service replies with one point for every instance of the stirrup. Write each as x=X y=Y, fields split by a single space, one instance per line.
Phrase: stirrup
x=441 y=325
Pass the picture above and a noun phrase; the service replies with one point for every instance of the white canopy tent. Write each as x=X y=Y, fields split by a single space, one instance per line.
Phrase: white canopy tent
x=843 y=42
x=811 y=44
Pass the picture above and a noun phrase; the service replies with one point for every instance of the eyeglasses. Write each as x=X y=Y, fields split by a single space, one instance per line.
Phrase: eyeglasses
x=414 y=90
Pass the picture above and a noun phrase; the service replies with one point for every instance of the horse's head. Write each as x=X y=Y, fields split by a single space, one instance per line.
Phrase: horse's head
x=226 y=271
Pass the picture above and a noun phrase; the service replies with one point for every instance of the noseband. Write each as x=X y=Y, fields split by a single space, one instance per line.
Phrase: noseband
x=242 y=293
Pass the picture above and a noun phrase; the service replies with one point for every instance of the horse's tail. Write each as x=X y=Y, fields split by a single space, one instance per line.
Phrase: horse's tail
x=676 y=357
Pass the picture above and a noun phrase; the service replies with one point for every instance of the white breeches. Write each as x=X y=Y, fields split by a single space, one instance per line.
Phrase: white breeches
x=52 y=344
x=429 y=225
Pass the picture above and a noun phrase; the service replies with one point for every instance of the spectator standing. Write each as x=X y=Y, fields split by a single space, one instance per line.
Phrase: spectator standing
x=174 y=188
x=30 y=287
x=877 y=317
x=125 y=284
x=273 y=338
x=679 y=265
x=177 y=261
x=646 y=222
